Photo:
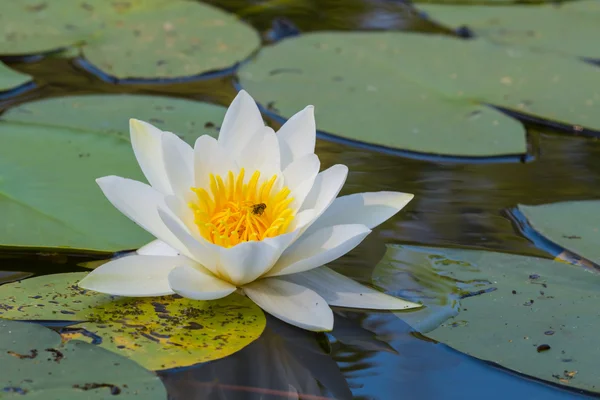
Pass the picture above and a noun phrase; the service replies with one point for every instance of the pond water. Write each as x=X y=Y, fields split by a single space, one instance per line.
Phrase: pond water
x=368 y=355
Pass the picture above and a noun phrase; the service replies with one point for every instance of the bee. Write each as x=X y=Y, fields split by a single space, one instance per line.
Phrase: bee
x=258 y=209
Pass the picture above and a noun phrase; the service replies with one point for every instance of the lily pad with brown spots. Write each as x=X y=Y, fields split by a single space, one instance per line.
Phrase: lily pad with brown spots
x=37 y=365
x=158 y=333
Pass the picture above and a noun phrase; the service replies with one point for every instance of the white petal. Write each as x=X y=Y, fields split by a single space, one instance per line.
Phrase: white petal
x=245 y=262
x=242 y=119
x=369 y=209
x=297 y=136
x=193 y=248
x=133 y=276
x=210 y=158
x=196 y=284
x=291 y=303
x=179 y=164
x=300 y=177
x=339 y=290
x=323 y=246
x=157 y=248
x=301 y=220
x=139 y=202
x=147 y=147
x=326 y=187
x=261 y=154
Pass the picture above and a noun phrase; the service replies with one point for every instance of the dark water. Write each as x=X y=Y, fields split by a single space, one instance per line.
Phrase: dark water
x=369 y=355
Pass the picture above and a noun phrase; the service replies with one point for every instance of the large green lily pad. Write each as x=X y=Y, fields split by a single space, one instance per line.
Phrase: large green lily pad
x=52 y=151
x=565 y=28
x=493 y=3
x=574 y=225
x=535 y=316
x=422 y=93
x=132 y=39
x=36 y=365
x=10 y=79
x=157 y=333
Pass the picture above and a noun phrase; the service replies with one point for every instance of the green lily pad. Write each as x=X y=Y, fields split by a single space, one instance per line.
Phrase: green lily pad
x=564 y=28
x=157 y=333
x=52 y=151
x=35 y=364
x=10 y=79
x=574 y=225
x=493 y=3
x=422 y=93
x=133 y=39
x=535 y=316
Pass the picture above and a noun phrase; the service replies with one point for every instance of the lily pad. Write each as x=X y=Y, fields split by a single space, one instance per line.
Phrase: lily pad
x=422 y=93
x=10 y=79
x=52 y=151
x=494 y=3
x=535 y=316
x=573 y=225
x=133 y=39
x=158 y=333
x=564 y=28
x=35 y=364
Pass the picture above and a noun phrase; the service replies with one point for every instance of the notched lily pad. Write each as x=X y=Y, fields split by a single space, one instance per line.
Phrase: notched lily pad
x=133 y=39
x=36 y=364
x=573 y=225
x=10 y=79
x=423 y=93
x=157 y=333
x=52 y=151
x=531 y=315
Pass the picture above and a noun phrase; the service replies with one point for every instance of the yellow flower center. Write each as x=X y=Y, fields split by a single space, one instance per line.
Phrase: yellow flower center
x=235 y=211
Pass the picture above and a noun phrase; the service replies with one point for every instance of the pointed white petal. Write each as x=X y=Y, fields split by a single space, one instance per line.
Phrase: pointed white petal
x=323 y=246
x=192 y=247
x=247 y=261
x=133 y=276
x=179 y=164
x=242 y=119
x=301 y=169
x=198 y=284
x=210 y=158
x=297 y=136
x=300 y=177
x=291 y=303
x=369 y=209
x=147 y=147
x=339 y=290
x=303 y=219
x=261 y=154
x=326 y=187
x=157 y=248
x=139 y=202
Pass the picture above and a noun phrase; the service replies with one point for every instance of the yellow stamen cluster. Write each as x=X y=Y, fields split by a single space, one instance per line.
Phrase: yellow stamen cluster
x=234 y=211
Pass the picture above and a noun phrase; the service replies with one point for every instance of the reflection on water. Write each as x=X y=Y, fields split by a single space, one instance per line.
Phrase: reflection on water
x=369 y=355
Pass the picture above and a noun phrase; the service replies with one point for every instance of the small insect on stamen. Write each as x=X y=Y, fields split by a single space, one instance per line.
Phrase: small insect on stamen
x=259 y=209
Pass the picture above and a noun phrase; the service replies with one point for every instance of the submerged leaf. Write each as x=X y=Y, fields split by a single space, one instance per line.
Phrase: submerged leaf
x=531 y=315
x=35 y=364
x=158 y=333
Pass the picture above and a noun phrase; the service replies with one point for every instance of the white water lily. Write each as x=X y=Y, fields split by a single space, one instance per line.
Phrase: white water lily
x=248 y=212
